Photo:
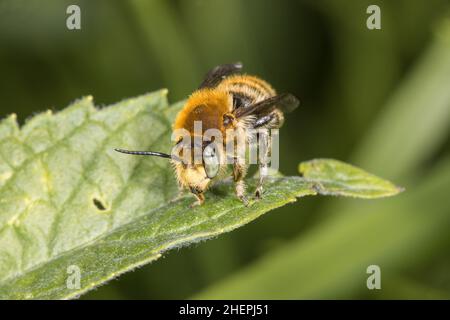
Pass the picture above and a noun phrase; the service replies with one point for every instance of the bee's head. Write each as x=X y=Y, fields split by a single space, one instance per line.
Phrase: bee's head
x=194 y=172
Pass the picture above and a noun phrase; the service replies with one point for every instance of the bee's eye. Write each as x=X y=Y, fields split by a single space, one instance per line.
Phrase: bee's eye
x=210 y=161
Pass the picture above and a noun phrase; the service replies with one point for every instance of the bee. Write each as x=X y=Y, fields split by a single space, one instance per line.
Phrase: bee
x=230 y=103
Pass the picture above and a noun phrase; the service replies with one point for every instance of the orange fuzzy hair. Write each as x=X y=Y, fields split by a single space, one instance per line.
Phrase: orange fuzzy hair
x=206 y=105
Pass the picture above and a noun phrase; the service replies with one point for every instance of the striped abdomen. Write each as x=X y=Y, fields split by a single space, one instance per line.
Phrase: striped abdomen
x=246 y=90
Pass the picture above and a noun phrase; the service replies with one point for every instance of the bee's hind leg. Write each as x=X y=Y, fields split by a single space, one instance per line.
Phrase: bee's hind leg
x=273 y=120
x=264 y=154
x=239 y=172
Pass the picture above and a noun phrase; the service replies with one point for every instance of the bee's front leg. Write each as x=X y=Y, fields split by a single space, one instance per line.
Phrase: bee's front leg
x=200 y=200
x=239 y=172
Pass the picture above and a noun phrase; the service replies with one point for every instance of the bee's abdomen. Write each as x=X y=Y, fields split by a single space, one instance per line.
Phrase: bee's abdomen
x=247 y=90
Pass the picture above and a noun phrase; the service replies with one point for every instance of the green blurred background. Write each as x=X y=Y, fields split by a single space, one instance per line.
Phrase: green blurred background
x=379 y=99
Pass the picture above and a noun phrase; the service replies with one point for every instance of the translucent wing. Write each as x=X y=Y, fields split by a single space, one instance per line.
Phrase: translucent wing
x=285 y=102
x=217 y=74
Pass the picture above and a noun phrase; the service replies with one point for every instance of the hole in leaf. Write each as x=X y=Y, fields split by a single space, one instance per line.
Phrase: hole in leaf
x=99 y=204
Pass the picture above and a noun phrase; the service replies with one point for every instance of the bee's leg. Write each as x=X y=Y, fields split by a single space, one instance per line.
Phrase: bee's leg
x=239 y=172
x=273 y=120
x=264 y=153
x=200 y=199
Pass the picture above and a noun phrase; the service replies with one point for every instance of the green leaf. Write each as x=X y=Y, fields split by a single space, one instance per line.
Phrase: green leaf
x=336 y=178
x=69 y=203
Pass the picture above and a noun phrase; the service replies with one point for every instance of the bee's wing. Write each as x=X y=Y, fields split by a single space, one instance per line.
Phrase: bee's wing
x=286 y=102
x=217 y=74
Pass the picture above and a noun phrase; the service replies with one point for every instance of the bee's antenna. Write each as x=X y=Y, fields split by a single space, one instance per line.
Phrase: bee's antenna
x=148 y=153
